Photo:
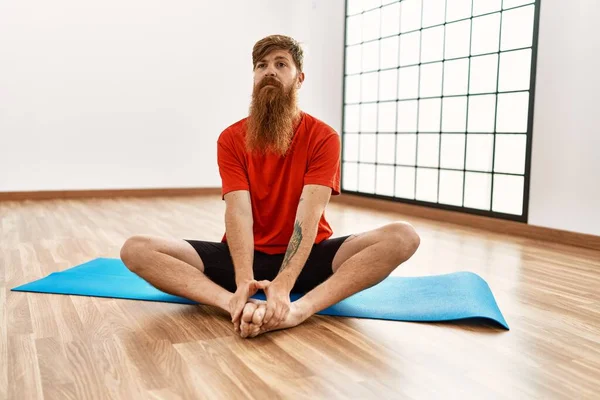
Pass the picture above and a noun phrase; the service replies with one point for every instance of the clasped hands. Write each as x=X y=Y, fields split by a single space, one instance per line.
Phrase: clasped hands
x=277 y=307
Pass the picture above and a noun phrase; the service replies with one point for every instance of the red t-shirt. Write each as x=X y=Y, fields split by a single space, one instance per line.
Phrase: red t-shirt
x=275 y=182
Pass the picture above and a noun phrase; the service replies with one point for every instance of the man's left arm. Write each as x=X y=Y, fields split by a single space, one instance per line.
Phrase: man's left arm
x=311 y=206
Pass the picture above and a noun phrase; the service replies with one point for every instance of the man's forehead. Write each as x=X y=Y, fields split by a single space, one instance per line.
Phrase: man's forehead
x=277 y=54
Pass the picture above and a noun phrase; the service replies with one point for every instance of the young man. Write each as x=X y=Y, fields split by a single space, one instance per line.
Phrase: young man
x=279 y=167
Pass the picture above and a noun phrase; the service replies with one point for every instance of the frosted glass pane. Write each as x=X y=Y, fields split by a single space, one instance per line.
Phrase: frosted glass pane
x=486 y=34
x=350 y=141
x=432 y=44
x=483 y=74
x=354 y=29
x=510 y=154
x=390 y=20
x=367 y=147
x=433 y=12
x=352 y=89
x=388 y=84
x=387 y=117
x=351 y=118
x=409 y=48
x=407 y=116
x=458 y=9
x=384 y=2
x=515 y=3
x=479 y=152
x=371 y=4
x=408 y=83
x=371 y=25
x=369 y=86
x=350 y=177
x=451 y=187
x=486 y=6
x=515 y=70
x=353 y=59
x=405 y=182
x=429 y=115
x=454 y=114
x=517 y=28
x=366 y=178
x=385 y=180
x=389 y=52
x=368 y=118
x=481 y=113
x=478 y=190
x=508 y=194
x=406 y=149
x=513 y=109
x=386 y=148
x=453 y=151
x=357 y=6
x=354 y=7
x=428 y=150
x=427 y=184
x=458 y=39
x=370 y=56
x=410 y=15
x=456 y=77
x=431 y=80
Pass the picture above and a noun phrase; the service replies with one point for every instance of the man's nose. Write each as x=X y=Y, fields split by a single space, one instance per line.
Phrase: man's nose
x=270 y=72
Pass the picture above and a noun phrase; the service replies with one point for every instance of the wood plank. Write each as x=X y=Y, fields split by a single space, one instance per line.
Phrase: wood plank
x=24 y=380
x=4 y=366
x=55 y=370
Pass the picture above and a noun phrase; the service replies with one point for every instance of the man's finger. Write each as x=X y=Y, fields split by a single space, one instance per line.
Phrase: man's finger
x=269 y=313
x=276 y=318
x=263 y=284
x=237 y=311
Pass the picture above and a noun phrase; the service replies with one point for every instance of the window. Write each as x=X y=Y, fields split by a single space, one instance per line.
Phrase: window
x=438 y=100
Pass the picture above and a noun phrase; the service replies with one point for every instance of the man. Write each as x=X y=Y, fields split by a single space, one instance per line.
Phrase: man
x=279 y=168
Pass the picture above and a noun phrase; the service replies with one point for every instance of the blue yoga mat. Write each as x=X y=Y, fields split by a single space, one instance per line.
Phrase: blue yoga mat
x=449 y=297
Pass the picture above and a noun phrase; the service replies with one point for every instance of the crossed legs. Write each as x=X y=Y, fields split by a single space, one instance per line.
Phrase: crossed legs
x=362 y=261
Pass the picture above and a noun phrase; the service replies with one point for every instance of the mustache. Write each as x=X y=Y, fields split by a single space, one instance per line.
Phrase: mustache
x=270 y=81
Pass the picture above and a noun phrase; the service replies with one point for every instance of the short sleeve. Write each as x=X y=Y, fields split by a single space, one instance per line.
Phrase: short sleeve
x=232 y=166
x=324 y=163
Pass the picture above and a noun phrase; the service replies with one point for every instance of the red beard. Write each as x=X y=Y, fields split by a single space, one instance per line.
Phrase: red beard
x=273 y=113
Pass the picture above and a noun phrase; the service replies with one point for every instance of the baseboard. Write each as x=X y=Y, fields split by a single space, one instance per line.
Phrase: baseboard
x=104 y=193
x=475 y=221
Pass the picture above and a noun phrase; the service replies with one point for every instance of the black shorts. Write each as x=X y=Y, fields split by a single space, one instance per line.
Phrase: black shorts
x=218 y=265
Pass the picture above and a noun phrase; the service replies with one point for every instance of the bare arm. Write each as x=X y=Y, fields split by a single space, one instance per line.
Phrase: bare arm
x=312 y=204
x=240 y=238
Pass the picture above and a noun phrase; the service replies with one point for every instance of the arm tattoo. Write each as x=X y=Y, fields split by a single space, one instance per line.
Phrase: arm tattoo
x=293 y=246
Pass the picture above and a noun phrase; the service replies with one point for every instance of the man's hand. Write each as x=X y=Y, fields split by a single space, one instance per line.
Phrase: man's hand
x=278 y=303
x=244 y=291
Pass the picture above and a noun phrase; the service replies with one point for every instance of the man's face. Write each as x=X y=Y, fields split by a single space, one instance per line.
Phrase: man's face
x=280 y=66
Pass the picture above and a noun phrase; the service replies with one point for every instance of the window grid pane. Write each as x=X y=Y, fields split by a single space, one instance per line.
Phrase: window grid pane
x=440 y=89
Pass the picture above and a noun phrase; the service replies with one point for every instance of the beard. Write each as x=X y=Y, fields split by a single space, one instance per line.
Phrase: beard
x=271 y=121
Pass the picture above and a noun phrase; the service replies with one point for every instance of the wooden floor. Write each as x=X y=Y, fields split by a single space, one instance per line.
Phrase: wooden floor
x=62 y=347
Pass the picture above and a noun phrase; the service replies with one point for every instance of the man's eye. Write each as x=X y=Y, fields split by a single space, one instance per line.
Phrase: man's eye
x=282 y=64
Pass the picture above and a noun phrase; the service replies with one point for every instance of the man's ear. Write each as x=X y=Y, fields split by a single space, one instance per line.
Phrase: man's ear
x=300 y=80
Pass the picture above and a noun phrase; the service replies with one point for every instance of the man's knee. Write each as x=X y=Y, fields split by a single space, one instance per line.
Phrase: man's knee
x=403 y=238
x=134 y=251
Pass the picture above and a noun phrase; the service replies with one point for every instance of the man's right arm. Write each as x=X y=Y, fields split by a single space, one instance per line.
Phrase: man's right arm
x=240 y=237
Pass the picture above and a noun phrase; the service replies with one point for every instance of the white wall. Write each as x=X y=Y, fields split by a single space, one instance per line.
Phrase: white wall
x=133 y=94
x=565 y=171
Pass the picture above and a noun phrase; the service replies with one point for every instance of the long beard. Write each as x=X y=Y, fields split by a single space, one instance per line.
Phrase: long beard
x=271 y=121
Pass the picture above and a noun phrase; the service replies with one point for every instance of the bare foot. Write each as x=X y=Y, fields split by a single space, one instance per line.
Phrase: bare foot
x=252 y=317
x=254 y=313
